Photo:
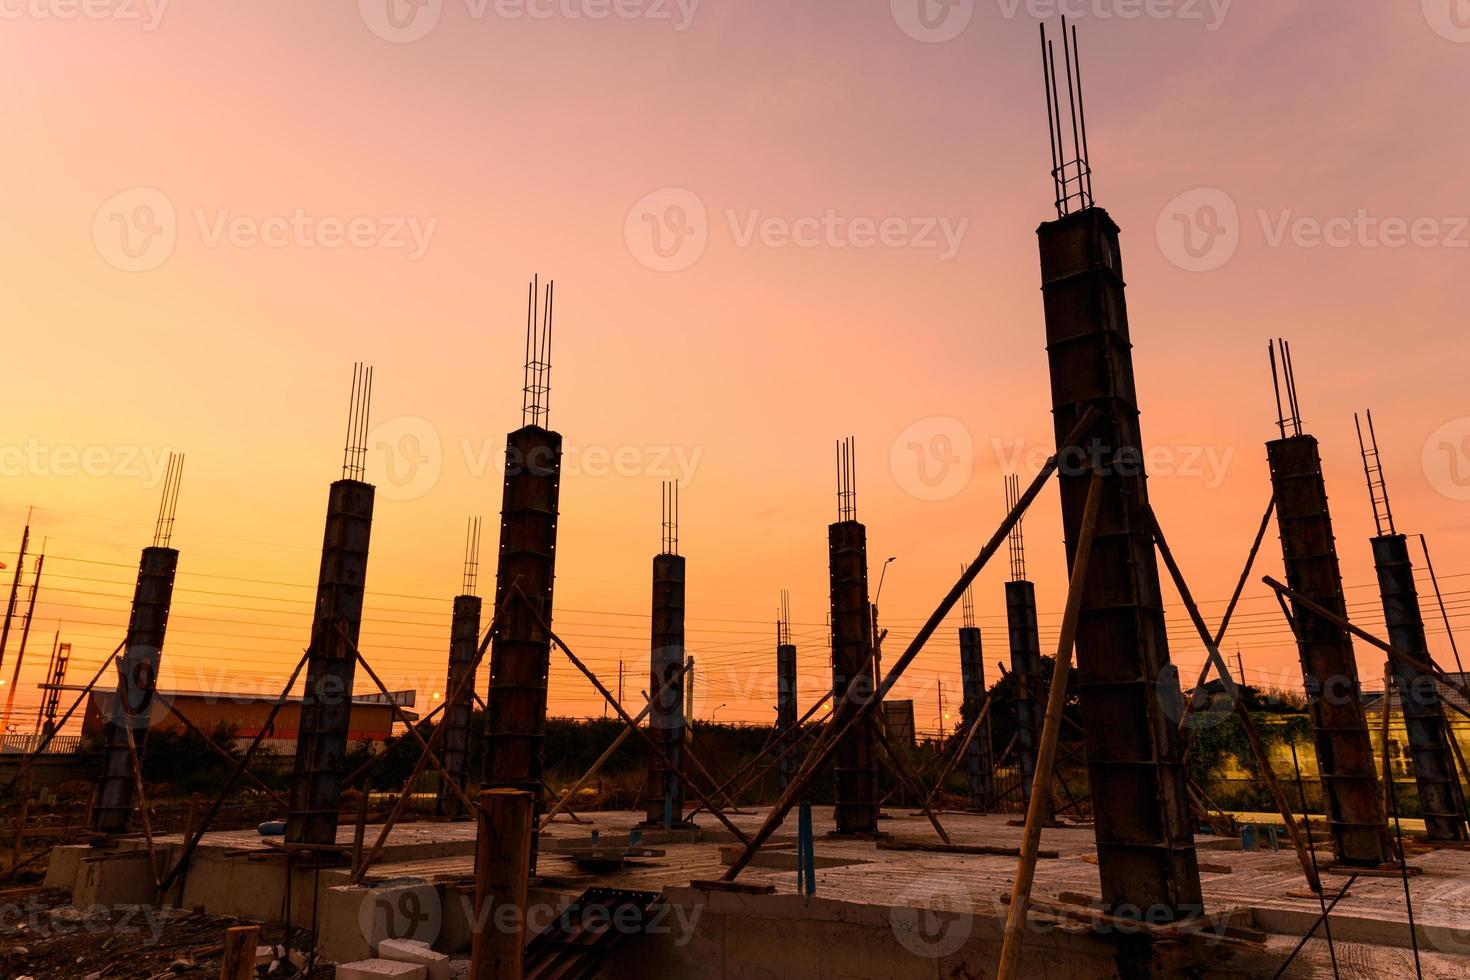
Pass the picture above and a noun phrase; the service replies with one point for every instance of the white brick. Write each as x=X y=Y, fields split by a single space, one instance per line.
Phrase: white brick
x=411 y=951
x=381 y=970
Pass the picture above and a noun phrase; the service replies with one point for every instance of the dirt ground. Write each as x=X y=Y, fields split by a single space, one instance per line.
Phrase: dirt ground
x=43 y=937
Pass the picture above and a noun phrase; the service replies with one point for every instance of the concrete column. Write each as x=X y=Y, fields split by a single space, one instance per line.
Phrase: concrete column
x=520 y=653
x=1026 y=669
x=1129 y=691
x=786 y=713
x=664 y=792
x=464 y=643
x=132 y=706
x=1428 y=732
x=852 y=639
x=1329 y=669
x=979 y=759
x=502 y=878
x=326 y=709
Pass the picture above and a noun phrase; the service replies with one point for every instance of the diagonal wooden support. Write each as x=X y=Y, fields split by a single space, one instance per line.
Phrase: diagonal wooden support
x=30 y=760
x=697 y=757
x=940 y=754
x=193 y=842
x=1204 y=671
x=137 y=767
x=849 y=713
x=566 y=799
x=362 y=770
x=194 y=730
x=1258 y=748
x=881 y=733
x=1051 y=730
x=801 y=736
x=1433 y=670
x=1387 y=777
x=444 y=773
x=628 y=720
x=964 y=747
x=466 y=683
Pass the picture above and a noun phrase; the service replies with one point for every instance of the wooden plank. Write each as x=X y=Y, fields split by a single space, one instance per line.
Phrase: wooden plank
x=988 y=849
x=737 y=887
x=239 y=950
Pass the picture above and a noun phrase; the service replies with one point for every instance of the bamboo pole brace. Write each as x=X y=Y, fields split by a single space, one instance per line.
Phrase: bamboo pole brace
x=1051 y=730
x=1253 y=736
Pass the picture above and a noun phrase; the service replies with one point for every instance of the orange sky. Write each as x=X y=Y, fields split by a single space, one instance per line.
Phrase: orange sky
x=853 y=253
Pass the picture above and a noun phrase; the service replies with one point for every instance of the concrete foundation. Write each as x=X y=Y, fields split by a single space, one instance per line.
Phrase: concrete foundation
x=880 y=911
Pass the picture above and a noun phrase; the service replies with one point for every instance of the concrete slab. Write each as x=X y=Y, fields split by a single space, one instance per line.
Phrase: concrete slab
x=411 y=951
x=380 y=970
x=877 y=911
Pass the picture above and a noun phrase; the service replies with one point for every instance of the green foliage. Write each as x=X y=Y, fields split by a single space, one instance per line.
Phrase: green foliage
x=1003 y=712
x=1218 y=736
x=181 y=760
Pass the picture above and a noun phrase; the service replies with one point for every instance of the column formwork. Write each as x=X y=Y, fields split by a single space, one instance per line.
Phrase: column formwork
x=979 y=758
x=855 y=763
x=1026 y=670
x=664 y=791
x=520 y=651
x=1440 y=794
x=1127 y=687
x=786 y=712
x=1350 y=787
x=132 y=708
x=326 y=705
x=464 y=640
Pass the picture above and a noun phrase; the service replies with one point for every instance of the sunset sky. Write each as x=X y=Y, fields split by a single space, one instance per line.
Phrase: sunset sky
x=772 y=224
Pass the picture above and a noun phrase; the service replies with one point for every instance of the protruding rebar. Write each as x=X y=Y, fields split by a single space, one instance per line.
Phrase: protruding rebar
x=354 y=452
x=967 y=604
x=847 y=479
x=1283 y=379
x=1071 y=168
x=783 y=620
x=669 y=533
x=1017 y=539
x=536 y=395
x=163 y=527
x=472 y=557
